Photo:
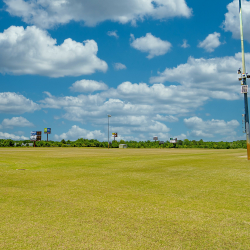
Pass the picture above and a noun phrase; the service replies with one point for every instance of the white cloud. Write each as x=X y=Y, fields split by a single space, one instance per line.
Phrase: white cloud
x=210 y=128
x=141 y=109
x=119 y=66
x=113 y=33
x=19 y=133
x=71 y=101
x=185 y=44
x=16 y=122
x=232 y=20
x=173 y=99
x=135 y=108
x=139 y=126
x=167 y=118
x=158 y=127
x=211 y=42
x=12 y=137
x=214 y=77
x=135 y=105
x=88 y=86
x=12 y=103
x=129 y=100
x=32 y=51
x=132 y=120
x=48 y=13
x=180 y=137
x=150 y=44
x=76 y=132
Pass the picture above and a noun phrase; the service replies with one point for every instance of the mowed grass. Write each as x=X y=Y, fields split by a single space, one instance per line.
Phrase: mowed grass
x=83 y=198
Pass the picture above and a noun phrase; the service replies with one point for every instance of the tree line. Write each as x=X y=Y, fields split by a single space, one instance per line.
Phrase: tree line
x=130 y=144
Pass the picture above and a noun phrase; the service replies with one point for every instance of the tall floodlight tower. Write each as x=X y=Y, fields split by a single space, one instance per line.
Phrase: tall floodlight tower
x=244 y=87
x=108 y=129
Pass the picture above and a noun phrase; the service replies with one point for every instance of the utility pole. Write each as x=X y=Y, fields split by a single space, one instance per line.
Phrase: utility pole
x=243 y=78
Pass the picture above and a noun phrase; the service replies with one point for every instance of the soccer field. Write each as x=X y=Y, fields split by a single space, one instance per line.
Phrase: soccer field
x=91 y=198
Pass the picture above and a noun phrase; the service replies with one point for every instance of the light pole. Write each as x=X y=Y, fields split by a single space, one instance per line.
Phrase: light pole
x=243 y=78
x=108 y=130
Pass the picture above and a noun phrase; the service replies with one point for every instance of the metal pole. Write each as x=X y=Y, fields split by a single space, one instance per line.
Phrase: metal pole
x=244 y=83
x=108 y=130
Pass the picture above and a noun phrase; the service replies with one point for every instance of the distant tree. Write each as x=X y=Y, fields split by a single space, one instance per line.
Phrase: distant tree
x=201 y=142
x=186 y=142
x=63 y=141
x=179 y=142
x=9 y=143
x=194 y=142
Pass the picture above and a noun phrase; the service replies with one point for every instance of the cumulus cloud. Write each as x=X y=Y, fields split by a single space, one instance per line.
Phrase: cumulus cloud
x=135 y=108
x=12 y=103
x=12 y=137
x=76 y=132
x=232 y=20
x=139 y=110
x=16 y=122
x=150 y=44
x=32 y=51
x=141 y=128
x=158 y=127
x=214 y=77
x=141 y=123
x=156 y=101
x=48 y=13
x=211 y=42
x=119 y=66
x=130 y=99
x=71 y=101
x=167 y=118
x=209 y=128
x=88 y=86
x=185 y=44
x=180 y=137
x=113 y=33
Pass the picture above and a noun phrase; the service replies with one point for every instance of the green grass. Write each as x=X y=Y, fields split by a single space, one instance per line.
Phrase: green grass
x=81 y=198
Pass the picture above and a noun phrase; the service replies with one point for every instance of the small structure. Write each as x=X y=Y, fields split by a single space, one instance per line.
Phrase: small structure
x=24 y=144
x=123 y=146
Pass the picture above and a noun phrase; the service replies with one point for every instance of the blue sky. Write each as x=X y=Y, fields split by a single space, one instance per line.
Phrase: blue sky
x=161 y=68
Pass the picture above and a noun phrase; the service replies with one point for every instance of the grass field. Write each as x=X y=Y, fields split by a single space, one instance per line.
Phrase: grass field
x=83 y=198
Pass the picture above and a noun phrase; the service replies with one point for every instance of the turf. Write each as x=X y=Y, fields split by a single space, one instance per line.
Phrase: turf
x=83 y=198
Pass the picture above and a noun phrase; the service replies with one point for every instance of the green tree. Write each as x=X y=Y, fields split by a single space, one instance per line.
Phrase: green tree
x=63 y=141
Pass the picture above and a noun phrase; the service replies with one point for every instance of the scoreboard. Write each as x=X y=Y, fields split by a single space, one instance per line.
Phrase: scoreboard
x=36 y=135
x=114 y=134
x=47 y=131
